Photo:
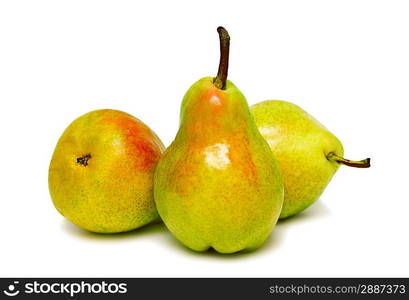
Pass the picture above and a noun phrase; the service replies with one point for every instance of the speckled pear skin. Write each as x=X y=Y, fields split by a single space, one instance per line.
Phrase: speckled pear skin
x=114 y=191
x=300 y=144
x=218 y=184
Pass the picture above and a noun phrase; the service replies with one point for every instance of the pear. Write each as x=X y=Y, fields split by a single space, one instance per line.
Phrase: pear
x=101 y=172
x=308 y=154
x=218 y=184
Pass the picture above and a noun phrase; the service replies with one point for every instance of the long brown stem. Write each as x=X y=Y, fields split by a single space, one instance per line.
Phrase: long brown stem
x=365 y=163
x=220 y=80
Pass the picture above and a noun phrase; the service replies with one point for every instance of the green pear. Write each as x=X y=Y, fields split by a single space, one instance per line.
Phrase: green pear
x=308 y=154
x=101 y=172
x=218 y=184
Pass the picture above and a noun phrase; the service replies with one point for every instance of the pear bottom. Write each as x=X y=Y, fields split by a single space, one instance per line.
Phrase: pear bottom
x=101 y=172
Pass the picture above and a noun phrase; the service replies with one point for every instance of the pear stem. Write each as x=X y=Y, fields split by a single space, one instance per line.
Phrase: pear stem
x=365 y=163
x=220 y=80
x=83 y=160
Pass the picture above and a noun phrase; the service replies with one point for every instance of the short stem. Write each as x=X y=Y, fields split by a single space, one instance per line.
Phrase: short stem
x=365 y=163
x=83 y=160
x=221 y=78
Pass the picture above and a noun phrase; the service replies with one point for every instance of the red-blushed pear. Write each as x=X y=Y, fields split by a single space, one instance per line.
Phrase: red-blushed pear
x=308 y=153
x=101 y=172
x=218 y=184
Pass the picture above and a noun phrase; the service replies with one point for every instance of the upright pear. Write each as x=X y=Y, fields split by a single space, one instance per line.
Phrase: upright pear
x=218 y=184
x=308 y=153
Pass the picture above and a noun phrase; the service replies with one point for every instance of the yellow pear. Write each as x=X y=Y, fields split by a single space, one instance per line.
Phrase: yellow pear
x=218 y=184
x=308 y=153
x=101 y=172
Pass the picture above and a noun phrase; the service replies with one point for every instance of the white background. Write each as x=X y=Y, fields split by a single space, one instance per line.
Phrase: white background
x=345 y=62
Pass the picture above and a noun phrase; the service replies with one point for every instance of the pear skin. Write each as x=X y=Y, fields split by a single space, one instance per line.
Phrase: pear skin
x=101 y=172
x=218 y=184
x=305 y=150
